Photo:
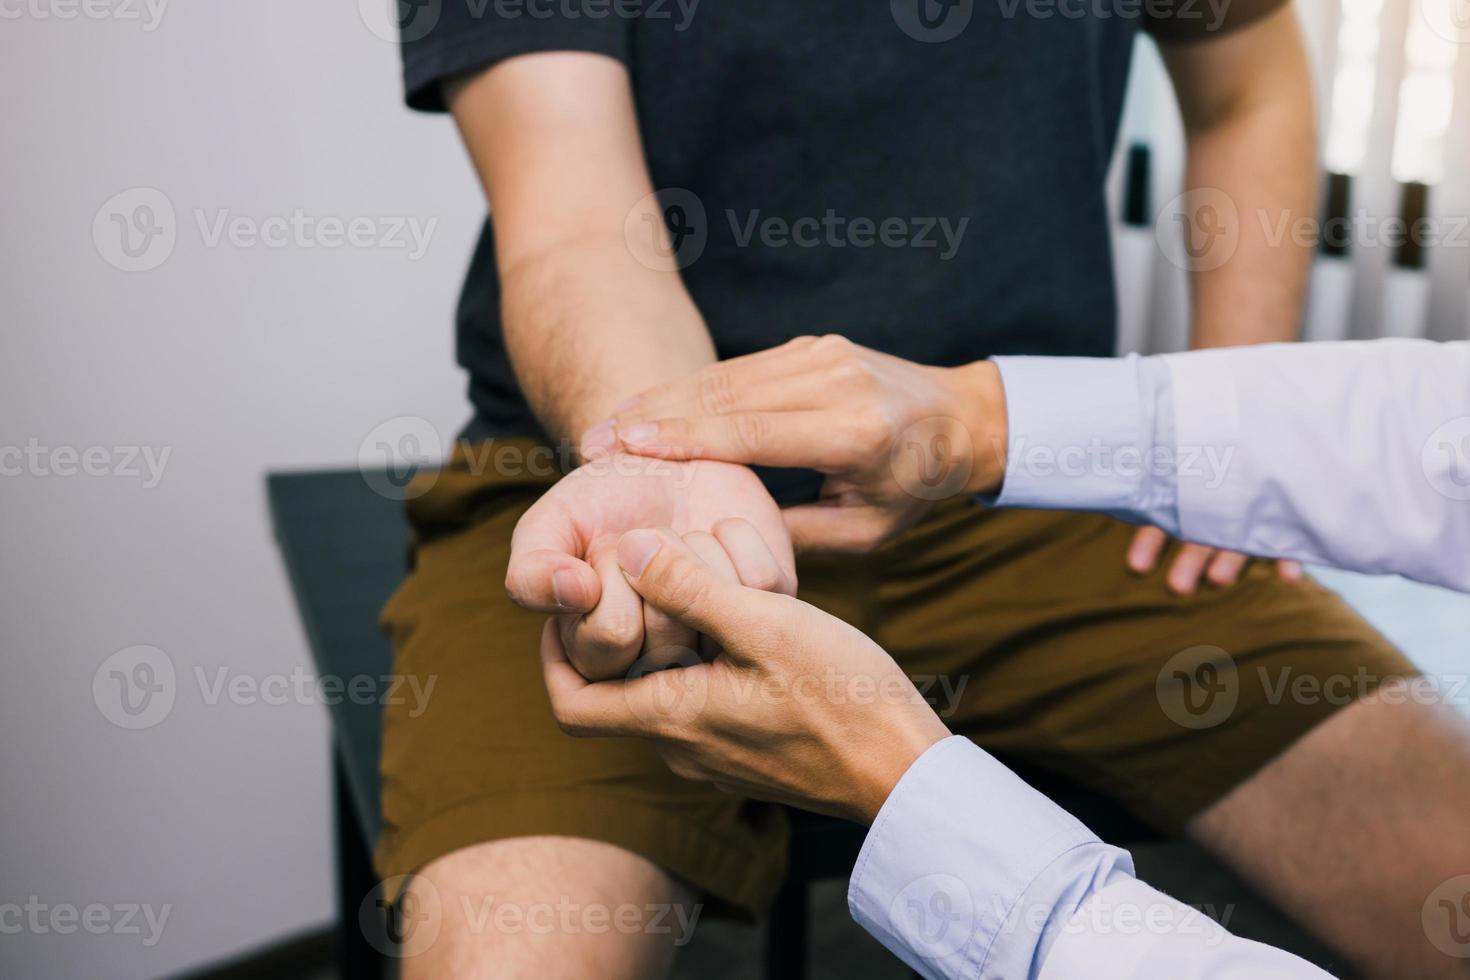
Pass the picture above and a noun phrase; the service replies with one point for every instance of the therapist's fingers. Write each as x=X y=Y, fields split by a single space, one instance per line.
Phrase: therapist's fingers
x=816 y=440
x=1143 y=554
x=777 y=379
x=707 y=547
x=837 y=528
x=546 y=572
x=1189 y=564
x=667 y=573
x=756 y=567
x=654 y=704
x=1225 y=567
x=604 y=643
x=709 y=550
x=583 y=708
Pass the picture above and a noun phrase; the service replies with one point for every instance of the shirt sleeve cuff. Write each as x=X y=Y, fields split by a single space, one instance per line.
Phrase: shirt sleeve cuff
x=963 y=871
x=1076 y=432
x=1214 y=492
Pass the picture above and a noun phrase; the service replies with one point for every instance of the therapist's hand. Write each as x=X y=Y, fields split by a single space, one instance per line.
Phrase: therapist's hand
x=798 y=707
x=891 y=436
x=1195 y=562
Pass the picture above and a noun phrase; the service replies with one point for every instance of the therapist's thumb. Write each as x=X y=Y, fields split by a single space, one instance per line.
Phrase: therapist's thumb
x=673 y=579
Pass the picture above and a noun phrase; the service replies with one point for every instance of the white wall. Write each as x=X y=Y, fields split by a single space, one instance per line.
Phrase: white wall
x=235 y=360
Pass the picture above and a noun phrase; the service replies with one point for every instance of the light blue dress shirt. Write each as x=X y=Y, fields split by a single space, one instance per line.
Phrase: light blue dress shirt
x=1354 y=454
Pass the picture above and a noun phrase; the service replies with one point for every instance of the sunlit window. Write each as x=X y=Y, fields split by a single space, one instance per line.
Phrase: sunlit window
x=1352 y=87
x=1426 y=96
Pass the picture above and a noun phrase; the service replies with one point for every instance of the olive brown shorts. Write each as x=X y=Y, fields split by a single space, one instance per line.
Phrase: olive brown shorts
x=1023 y=628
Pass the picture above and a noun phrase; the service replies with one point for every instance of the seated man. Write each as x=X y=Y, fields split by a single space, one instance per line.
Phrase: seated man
x=821 y=151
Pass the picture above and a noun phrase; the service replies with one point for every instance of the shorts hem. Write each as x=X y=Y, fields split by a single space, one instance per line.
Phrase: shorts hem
x=739 y=880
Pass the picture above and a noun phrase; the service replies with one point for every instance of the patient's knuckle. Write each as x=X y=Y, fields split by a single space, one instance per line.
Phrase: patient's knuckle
x=834 y=347
x=869 y=433
x=766 y=578
x=617 y=631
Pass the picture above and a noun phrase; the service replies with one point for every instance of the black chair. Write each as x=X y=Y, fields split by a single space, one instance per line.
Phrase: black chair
x=344 y=548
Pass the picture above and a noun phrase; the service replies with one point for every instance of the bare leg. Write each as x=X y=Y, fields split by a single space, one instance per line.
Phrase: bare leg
x=547 y=907
x=1354 y=827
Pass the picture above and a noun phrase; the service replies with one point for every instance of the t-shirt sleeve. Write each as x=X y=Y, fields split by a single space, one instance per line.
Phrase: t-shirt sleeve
x=1185 y=21
x=444 y=38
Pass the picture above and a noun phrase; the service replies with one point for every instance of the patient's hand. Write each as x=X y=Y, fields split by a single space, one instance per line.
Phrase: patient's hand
x=564 y=561
x=1195 y=561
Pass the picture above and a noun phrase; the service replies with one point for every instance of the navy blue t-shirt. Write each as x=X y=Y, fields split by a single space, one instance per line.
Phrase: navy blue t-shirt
x=923 y=176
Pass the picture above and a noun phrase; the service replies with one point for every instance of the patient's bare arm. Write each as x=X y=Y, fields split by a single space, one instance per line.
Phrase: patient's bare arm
x=592 y=315
x=555 y=141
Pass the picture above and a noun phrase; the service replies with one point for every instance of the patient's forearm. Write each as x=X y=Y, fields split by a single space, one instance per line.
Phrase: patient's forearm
x=554 y=138
x=587 y=325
